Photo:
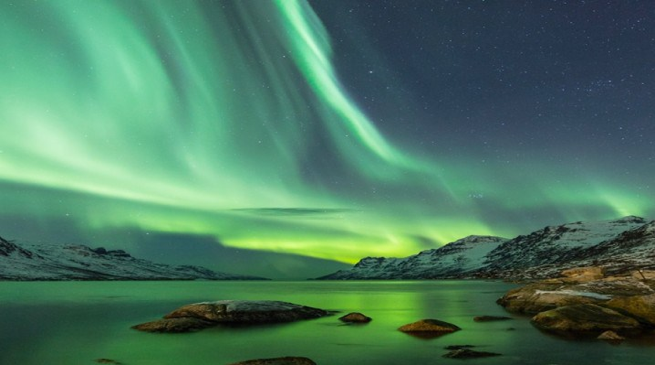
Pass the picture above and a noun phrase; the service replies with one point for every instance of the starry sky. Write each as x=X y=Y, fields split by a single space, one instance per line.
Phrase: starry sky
x=279 y=136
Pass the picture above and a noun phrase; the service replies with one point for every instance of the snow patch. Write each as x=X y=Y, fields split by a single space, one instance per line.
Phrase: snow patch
x=575 y=293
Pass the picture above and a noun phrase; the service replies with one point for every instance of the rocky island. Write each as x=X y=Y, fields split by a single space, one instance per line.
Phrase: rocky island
x=587 y=302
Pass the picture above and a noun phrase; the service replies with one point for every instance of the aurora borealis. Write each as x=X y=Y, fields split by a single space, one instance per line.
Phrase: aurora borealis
x=333 y=129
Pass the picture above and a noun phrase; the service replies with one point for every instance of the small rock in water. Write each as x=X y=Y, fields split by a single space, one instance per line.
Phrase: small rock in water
x=469 y=354
x=429 y=328
x=490 y=318
x=355 y=317
x=108 y=361
x=458 y=347
x=610 y=336
x=288 y=360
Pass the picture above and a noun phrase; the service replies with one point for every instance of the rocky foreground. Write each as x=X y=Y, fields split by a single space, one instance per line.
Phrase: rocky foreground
x=228 y=313
x=587 y=302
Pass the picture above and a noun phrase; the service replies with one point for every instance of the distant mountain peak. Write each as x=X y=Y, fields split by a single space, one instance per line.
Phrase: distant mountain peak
x=631 y=219
x=79 y=262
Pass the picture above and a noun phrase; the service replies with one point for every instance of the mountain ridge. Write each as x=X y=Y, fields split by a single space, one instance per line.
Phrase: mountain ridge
x=80 y=262
x=620 y=245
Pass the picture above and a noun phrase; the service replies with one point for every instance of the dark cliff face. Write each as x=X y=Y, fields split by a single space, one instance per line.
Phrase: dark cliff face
x=8 y=248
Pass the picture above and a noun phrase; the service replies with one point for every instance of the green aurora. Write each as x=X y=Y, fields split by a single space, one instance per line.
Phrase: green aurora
x=231 y=119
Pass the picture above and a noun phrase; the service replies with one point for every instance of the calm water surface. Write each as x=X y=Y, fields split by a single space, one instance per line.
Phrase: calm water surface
x=78 y=322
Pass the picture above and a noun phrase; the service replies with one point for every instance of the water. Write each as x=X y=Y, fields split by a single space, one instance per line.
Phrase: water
x=79 y=322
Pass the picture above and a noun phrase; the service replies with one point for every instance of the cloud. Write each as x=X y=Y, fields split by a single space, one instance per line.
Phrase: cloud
x=296 y=212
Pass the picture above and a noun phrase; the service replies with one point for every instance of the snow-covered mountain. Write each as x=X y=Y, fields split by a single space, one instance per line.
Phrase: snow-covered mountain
x=451 y=260
x=619 y=245
x=78 y=262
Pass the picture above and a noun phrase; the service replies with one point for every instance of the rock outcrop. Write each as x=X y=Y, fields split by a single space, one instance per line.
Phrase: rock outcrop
x=585 y=302
x=197 y=316
x=641 y=307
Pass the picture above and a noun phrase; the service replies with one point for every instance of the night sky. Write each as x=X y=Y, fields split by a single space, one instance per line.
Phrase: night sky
x=248 y=134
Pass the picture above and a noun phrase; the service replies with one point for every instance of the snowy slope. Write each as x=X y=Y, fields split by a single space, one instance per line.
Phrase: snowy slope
x=556 y=244
x=619 y=245
x=451 y=260
x=78 y=262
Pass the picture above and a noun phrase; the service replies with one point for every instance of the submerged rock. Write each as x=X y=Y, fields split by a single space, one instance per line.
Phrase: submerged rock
x=458 y=347
x=468 y=354
x=355 y=317
x=491 y=318
x=108 y=361
x=288 y=360
x=584 y=318
x=429 y=328
x=202 y=315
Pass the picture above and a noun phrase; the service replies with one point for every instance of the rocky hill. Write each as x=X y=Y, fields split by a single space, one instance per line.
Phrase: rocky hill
x=78 y=262
x=619 y=245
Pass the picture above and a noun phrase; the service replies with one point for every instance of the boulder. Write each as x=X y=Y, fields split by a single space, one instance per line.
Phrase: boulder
x=429 y=328
x=610 y=336
x=583 y=274
x=247 y=311
x=288 y=360
x=584 y=319
x=490 y=318
x=640 y=307
x=355 y=317
x=468 y=354
x=239 y=312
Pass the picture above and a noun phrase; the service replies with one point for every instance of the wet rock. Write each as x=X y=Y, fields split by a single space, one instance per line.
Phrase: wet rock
x=174 y=325
x=247 y=312
x=584 y=318
x=239 y=312
x=469 y=354
x=429 y=328
x=640 y=307
x=610 y=336
x=288 y=360
x=355 y=317
x=490 y=318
